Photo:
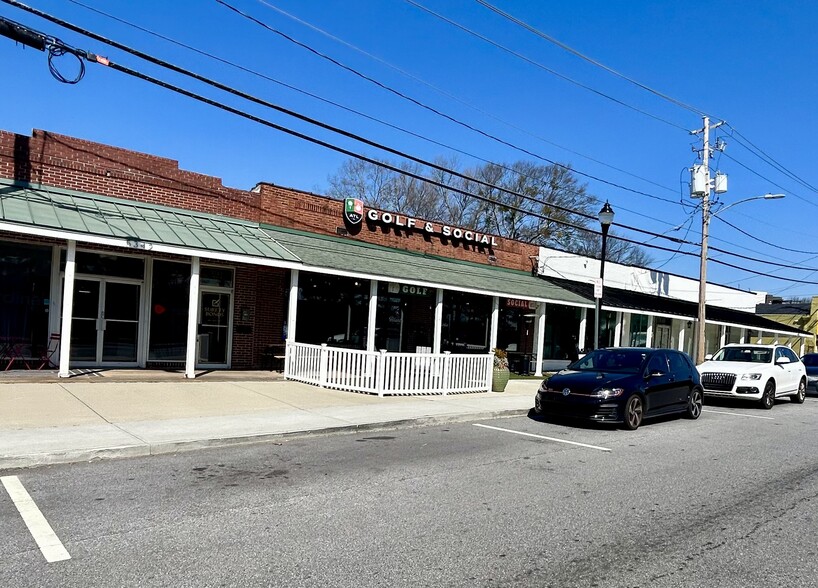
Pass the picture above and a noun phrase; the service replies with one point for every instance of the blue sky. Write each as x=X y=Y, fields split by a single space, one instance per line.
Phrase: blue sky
x=747 y=62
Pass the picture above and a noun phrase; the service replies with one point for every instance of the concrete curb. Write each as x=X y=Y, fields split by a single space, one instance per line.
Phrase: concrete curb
x=170 y=447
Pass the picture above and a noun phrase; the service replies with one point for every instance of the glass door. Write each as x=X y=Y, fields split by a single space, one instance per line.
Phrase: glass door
x=105 y=322
x=214 y=328
x=85 y=321
x=120 y=322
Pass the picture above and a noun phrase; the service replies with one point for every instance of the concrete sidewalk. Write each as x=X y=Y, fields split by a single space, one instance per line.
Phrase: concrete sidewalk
x=126 y=413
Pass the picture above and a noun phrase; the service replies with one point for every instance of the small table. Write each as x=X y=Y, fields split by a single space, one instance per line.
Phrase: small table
x=275 y=355
x=11 y=350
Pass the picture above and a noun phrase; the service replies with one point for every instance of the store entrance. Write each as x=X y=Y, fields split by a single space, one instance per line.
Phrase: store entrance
x=105 y=323
x=214 y=328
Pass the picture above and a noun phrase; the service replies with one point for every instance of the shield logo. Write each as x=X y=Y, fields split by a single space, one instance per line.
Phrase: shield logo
x=353 y=211
x=566 y=391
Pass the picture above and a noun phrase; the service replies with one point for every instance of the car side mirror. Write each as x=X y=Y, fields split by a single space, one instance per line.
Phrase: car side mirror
x=708 y=357
x=782 y=359
x=654 y=374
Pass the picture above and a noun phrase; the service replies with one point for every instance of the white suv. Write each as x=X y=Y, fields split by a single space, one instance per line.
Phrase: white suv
x=754 y=372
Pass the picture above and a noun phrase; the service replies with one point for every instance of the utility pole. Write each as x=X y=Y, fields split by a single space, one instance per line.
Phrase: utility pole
x=701 y=185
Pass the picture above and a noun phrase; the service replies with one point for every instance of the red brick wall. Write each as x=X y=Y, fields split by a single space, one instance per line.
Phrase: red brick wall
x=262 y=294
x=66 y=162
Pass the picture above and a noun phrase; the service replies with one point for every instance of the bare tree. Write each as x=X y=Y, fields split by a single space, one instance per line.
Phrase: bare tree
x=541 y=204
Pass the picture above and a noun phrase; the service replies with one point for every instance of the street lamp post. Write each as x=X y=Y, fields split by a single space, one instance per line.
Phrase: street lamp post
x=706 y=216
x=606 y=217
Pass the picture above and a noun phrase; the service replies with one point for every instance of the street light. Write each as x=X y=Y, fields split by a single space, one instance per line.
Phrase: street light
x=606 y=217
x=706 y=214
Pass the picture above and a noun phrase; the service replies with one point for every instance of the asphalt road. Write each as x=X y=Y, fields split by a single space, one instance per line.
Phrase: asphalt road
x=728 y=500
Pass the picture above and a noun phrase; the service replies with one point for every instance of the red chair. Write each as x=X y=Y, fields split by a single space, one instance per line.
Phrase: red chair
x=46 y=359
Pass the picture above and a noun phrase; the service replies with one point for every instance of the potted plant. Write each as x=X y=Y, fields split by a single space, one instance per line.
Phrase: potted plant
x=500 y=374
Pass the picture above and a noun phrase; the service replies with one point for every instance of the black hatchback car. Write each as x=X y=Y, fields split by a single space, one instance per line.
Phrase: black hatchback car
x=623 y=385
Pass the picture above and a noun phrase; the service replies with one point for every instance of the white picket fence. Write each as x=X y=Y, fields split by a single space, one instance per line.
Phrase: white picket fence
x=384 y=373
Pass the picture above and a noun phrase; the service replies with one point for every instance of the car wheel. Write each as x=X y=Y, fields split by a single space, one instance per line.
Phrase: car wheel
x=537 y=404
x=694 y=405
x=799 y=396
x=633 y=412
x=768 y=398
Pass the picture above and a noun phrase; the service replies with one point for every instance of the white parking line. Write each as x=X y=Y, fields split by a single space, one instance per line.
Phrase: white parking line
x=542 y=437
x=48 y=542
x=749 y=416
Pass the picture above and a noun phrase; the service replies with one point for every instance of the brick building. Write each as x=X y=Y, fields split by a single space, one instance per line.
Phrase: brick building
x=137 y=240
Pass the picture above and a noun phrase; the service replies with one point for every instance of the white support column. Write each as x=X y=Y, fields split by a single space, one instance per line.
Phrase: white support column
x=801 y=351
x=743 y=338
x=67 y=309
x=495 y=321
x=649 y=334
x=292 y=306
x=192 y=319
x=438 y=321
x=373 y=315
x=722 y=336
x=618 y=330
x=626 y=329
x=680 y=344
x=540 y=331
x=583 y=328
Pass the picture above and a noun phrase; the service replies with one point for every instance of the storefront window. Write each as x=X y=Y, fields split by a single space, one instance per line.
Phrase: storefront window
x=662 y=332
x=405 y=319
x=170 y=295
x=466 y=322
x=712 y=338
x=639 y=331
x=515 y=332
x=732 y=335
x=216 y=276
x=25 y=272
x=106 y=264
x=561 y=330
x=332 y=310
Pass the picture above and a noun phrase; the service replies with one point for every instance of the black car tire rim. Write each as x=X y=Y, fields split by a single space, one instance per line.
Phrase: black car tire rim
x=633 y=412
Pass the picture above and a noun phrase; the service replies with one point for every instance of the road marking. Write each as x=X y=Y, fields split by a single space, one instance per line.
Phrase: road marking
x=749 y=416
x=542 y=437
x=48 y=542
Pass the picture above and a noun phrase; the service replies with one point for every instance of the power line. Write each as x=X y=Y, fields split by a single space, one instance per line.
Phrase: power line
x=348 y=109
x=123 y=69
x=779 y=186
x=450 y=95
x=573 y=51
x=540 y=65
x=425 y=106
x=758 y=152
x=760 y=240
x=326 y=126
x=104 y=61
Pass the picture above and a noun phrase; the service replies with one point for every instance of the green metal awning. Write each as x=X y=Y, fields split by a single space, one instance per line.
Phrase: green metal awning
x=345 y=255
x=68 y=214
x=71 y=215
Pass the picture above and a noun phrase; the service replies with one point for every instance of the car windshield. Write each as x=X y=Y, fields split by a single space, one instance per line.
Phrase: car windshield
x=745 y=354
x=628 y=361
x=810 y=360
